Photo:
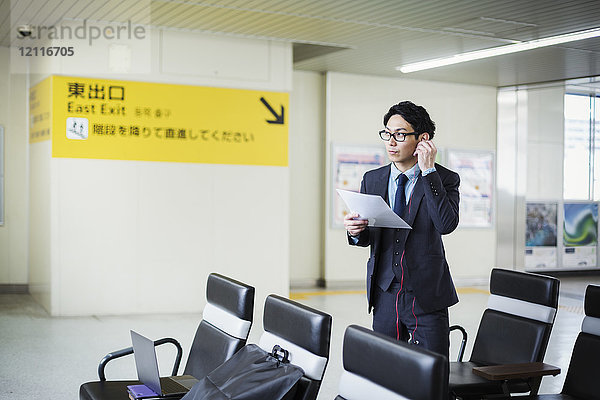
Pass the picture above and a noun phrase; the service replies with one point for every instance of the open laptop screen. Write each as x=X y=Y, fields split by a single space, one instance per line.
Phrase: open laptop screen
x=145 y=361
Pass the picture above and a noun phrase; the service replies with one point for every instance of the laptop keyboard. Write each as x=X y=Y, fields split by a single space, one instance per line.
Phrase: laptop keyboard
x=170 y=386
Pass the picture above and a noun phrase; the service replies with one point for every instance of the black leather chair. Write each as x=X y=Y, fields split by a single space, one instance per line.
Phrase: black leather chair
x=224 y=329
x=582 y=381
x=306 y=333
x=379 y=367
x=515 y=328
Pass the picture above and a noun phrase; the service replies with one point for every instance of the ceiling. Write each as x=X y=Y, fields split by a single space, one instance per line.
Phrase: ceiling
x=364 y=37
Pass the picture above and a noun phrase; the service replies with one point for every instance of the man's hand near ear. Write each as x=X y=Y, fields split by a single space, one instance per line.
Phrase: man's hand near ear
x=425 y=152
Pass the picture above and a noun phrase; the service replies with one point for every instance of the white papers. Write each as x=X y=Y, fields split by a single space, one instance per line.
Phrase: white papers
x=373 y=208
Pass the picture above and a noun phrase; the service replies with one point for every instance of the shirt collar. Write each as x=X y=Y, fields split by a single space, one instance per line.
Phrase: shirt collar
x=410 y=174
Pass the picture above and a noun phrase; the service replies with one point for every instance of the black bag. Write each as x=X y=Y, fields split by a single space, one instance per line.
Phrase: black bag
x=251 y=374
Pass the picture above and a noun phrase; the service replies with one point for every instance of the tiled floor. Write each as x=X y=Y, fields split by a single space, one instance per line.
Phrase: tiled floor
x=48 y=358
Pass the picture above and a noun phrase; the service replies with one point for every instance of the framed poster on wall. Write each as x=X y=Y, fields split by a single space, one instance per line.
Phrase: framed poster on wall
x=580 y=235
x=561 y=235
x=476 y=170
x=541 y=235
x=349 y=165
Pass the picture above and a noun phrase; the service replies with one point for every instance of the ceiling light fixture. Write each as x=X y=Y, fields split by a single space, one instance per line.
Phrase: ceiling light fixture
x=497 y=51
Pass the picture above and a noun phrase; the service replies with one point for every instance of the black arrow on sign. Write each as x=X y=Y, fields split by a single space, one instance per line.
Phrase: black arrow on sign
x=278 y=118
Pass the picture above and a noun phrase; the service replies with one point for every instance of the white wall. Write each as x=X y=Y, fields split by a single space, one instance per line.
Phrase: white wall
x=141 y=237
x=506 y=177
x=545 y=143
x=465 y=117
x=42 y=224
x=307 y=166
x=13 y=116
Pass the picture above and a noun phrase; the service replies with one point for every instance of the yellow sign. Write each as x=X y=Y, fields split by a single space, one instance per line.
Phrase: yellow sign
x=40 y=111
x=124 y=120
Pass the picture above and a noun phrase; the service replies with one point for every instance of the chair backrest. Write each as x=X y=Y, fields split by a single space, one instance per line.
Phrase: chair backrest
x=516 y=326
x=225 y=324
x=305 y=333
x=582 y=379
x=379 y=367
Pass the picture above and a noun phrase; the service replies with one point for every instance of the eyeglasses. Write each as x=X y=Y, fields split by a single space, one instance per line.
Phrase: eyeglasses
x=398 y=136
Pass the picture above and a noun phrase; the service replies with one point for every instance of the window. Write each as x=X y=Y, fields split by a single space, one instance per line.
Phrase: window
x=582 y=147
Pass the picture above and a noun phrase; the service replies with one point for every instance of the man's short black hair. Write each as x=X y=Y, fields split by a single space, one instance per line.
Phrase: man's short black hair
x=415 y=115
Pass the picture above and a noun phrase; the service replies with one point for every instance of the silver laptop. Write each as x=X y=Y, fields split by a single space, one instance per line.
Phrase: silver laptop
x=147 y=370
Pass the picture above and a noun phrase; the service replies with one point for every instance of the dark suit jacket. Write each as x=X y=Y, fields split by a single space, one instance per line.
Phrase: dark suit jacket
x=433 y=213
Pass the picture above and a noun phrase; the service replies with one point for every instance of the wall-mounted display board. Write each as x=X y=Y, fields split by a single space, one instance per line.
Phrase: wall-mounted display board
x=476 y=170
x=580 y=235
x=144 y=121
x=349 y=165
x=561 y=236
x=540 y=235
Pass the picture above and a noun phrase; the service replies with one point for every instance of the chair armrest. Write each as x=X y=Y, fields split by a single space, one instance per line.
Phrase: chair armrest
x=129 y=350
x=463 y=343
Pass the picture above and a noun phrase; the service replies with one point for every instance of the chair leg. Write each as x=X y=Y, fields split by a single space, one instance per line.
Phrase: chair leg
x=534 y=384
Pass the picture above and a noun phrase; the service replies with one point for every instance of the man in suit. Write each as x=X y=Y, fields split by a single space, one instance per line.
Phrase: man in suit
x=409 y=287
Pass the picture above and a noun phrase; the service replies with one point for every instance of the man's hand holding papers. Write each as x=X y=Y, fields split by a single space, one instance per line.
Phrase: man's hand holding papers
x=354 y=224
